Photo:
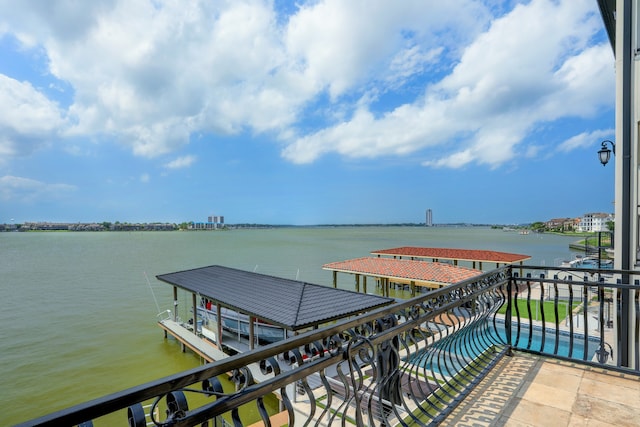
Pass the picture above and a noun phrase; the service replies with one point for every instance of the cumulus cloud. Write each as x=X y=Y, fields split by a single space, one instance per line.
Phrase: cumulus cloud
x=150 y=74
x=181 y=162
x=531 y=66
x=28 y=119
x=18 y=189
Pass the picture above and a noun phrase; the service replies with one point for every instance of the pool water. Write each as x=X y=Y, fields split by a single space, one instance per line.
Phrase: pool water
x=453 y=355
x=575 y=350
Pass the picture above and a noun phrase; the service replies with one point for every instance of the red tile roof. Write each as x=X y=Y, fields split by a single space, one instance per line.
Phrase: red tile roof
x=405 y=270
x=454 y=254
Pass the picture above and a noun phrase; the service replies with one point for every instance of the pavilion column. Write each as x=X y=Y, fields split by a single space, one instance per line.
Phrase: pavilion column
x=357 y=283
x=335 y=279
x=219 y=326
x=175 y=303
x=194 y=301
x=521 y=271
x=364 y=283
x=252 y=321
x=413 y=288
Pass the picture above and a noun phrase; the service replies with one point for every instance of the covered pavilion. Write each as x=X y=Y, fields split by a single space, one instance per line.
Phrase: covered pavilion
x=290 y=304
x=470 y=255
x=433 y=275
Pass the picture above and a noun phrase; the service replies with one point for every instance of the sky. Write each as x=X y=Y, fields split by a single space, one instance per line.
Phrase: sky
x=305 y=112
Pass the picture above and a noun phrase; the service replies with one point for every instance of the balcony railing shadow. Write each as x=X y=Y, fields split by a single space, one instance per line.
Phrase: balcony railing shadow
x=410 y=363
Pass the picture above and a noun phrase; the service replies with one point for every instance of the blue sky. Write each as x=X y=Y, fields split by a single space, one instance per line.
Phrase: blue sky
x=306 y=112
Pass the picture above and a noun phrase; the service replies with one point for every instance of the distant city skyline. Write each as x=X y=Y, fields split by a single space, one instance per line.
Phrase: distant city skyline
x=219 y=221
x=303 y=113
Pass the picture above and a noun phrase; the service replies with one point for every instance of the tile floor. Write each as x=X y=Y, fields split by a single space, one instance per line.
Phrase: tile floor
x=526 y=390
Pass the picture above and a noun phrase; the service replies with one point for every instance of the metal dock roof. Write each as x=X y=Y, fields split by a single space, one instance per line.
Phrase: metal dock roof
x=290 y=304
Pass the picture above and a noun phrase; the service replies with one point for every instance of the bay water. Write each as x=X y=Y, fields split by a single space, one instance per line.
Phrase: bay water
x=78 y=310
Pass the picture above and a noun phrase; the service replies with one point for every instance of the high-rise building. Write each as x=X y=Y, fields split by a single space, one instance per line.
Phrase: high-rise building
x=429 y=220
x=216 y=219
x=213 y=222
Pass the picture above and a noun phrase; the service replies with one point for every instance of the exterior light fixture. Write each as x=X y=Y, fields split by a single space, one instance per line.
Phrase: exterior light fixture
x=604 y=153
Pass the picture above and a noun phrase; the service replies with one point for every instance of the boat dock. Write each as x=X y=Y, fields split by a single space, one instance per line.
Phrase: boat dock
x=202 y=346
x=221 y=295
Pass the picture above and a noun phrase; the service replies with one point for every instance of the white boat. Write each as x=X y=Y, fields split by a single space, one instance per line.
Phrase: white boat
x=239 y=323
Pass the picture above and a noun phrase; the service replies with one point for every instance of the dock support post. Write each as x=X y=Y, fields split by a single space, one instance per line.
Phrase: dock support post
x=175 y=303
x=194 y=301
x=219 y=325
x=252 y=321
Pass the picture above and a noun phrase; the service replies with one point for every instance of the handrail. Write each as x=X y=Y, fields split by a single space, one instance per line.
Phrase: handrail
x=409 y=363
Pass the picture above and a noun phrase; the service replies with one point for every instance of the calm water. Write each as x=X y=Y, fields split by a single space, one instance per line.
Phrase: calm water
x=79 y=318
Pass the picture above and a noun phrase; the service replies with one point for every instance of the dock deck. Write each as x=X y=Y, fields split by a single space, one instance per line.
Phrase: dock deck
x=203 y=347
x=200 y=346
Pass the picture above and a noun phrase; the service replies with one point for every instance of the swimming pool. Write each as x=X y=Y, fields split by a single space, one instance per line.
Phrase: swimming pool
x=575 y=350
x=453 y=353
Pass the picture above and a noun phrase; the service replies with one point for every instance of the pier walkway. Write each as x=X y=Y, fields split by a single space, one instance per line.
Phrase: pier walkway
x=201 y=346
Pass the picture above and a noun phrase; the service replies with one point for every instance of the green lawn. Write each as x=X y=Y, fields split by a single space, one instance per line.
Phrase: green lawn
x=547 y=306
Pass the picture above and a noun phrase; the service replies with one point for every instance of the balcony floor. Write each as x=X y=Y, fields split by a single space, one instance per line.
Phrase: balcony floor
x=526 y=390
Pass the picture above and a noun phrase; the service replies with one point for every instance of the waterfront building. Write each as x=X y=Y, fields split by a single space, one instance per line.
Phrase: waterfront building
x=593 y=222
x=429 y=219
x=562 y=224
x=213 y=222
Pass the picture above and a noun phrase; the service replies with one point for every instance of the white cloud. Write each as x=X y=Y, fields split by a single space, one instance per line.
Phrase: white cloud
x=28 y=119
x=530 y=66
x=18 y=189
x=181 y=162
x=341 y=45
x=585 y=140
x=149 y=74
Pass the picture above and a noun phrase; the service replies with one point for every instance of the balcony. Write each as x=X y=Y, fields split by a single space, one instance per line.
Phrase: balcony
x=518 y=346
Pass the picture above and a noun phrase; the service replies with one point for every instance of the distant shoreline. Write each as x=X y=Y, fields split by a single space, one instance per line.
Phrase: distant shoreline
x=156 y=226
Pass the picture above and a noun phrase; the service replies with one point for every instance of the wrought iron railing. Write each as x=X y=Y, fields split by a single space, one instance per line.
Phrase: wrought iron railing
x=578 y=313
x=408 y=364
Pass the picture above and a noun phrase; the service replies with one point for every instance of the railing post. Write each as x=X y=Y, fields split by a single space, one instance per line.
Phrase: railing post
x=508 y=314
x=388 y=363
